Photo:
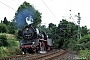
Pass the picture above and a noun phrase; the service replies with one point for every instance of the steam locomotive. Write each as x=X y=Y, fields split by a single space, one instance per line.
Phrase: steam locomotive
x=34 y=40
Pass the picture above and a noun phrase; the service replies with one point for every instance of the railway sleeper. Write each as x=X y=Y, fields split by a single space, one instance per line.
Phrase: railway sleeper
x=54 y=56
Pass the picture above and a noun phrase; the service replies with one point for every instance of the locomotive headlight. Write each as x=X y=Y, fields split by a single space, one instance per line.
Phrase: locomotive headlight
x=26 y=28
x=33 y=42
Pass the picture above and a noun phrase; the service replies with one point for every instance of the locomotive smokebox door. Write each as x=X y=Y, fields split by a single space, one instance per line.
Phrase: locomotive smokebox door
x=49 y=42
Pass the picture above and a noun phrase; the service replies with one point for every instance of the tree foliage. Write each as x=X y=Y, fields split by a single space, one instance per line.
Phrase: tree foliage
x=85 y=42
x=42 y=28
x=65 y=31
x=5 y=21
x=65 y=34
x=7 y=26
x=3 y=28
x=3 y=40
x=11 y=28
x=84 y=30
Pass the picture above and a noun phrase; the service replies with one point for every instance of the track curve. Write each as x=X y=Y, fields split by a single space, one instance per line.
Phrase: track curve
x=47 y=56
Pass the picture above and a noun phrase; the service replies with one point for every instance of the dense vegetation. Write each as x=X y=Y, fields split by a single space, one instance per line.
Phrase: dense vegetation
x=64 y=35
x=3 y=40
x=9 y=45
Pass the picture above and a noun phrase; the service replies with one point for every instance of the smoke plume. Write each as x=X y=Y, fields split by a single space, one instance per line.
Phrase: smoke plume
x=22 y=15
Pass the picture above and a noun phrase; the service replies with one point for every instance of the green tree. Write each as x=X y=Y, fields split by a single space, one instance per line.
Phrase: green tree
x=67 y=33
x=37 y=19
x=52 y=28
x=11 y=28
x=3 y=28
x=63 y=33
x=3 y=40
x=42 y=28
x=84 y=30
x=85 y=42
x=1 y=21
x=5 y=21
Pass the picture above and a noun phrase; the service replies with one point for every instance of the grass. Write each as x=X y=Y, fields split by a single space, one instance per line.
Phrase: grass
x=9 y=51
x=12 y=49
x=85 y=54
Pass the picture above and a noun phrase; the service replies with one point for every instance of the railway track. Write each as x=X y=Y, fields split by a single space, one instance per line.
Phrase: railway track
x=17 y=57
x=47 y=56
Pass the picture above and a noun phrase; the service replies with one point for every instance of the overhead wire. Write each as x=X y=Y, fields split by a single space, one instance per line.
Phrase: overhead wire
x=42 y=1
x=73 y=20
x=7 y=5
x=49 y=9
x=72 y=17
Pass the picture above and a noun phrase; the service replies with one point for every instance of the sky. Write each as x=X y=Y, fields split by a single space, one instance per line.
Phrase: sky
x=53 y=11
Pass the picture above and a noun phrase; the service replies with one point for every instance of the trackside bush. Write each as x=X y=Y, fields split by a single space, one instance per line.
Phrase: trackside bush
x=85 y=54
x=85 y=42
x=3 y=28
x=3 y=40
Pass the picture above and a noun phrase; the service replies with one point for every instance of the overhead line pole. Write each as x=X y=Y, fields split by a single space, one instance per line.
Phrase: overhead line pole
x=79 y=18
x=79 y=34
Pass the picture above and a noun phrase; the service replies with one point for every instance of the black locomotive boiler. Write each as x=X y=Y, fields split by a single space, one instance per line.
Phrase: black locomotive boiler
x=34 y=40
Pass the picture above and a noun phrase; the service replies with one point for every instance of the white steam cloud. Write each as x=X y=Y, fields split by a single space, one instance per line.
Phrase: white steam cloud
x=29 y=20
